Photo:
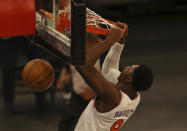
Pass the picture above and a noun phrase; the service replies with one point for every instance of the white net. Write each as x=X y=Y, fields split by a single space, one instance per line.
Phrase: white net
x=61 y=20
x=94 y=19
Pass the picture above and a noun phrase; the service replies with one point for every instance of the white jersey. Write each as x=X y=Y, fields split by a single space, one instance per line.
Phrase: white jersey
x=91 y=119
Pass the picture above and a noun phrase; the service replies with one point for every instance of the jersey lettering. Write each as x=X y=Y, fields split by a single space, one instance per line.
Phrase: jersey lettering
x=126 y=113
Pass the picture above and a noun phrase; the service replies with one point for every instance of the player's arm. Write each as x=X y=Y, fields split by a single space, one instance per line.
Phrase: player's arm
x=111 y=62
x=106 y=90
x=93 y=77
x=94 y=52
x=88 y=92
x=112 y=59
x=80 y=86
x=113 y=56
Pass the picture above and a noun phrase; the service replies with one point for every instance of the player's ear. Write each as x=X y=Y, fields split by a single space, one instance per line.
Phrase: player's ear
x=129 y=79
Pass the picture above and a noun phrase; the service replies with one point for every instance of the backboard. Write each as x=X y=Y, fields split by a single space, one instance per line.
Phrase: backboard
x=61 y=33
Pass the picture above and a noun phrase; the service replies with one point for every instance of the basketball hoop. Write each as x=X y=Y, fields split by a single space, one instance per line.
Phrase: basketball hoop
x=63 y=29
x=94 y=23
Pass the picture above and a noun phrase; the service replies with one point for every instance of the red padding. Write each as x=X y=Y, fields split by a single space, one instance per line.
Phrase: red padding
x=17 y=17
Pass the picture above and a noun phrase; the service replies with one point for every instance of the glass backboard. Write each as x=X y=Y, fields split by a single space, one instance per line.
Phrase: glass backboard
x=61 y=28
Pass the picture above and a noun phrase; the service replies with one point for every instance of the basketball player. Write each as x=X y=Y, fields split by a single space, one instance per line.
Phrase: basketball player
x=118 y=93
x=81 y=93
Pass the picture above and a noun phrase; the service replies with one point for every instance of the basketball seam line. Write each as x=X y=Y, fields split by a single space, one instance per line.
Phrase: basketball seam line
x=35 y=62
x=44 y=85
x=41 y=82
x=38 y=75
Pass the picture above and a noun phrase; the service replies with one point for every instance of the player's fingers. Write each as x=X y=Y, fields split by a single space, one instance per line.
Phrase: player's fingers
x=117 y=31
x=121 y=25
x=113 y=35
x=124 y=28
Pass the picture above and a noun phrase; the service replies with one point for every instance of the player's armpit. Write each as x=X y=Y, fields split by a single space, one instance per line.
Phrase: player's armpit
x=88 y=93
x=106 y=90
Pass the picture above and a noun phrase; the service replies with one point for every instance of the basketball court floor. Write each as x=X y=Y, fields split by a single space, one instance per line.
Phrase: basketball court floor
x=160 y=42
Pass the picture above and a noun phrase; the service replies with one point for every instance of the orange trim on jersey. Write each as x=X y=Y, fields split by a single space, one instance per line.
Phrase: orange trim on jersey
x=136 y=96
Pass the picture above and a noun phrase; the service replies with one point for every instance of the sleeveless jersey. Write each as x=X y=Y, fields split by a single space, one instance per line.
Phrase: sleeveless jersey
x=92 y=120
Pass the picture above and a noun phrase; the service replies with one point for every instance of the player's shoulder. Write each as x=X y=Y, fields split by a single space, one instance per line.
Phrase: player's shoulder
x=126 y=100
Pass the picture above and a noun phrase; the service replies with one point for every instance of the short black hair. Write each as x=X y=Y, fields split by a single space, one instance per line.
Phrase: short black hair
x=142 y=78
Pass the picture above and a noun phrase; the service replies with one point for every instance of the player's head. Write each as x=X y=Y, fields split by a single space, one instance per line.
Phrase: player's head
x=140 y=77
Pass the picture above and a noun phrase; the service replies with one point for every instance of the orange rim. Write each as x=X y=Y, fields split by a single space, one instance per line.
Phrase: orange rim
x=66 y=23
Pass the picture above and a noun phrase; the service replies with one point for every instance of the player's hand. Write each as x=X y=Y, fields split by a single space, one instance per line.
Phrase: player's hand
x=124 y=33
x=113 y=36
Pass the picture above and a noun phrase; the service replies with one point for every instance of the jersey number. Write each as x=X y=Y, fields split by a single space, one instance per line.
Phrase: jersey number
x=117 y=125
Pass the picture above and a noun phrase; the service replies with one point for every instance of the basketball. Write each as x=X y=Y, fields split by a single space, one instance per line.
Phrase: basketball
x=38 y=75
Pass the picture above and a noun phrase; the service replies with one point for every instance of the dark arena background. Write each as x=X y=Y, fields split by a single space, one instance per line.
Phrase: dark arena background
x=157 y=37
